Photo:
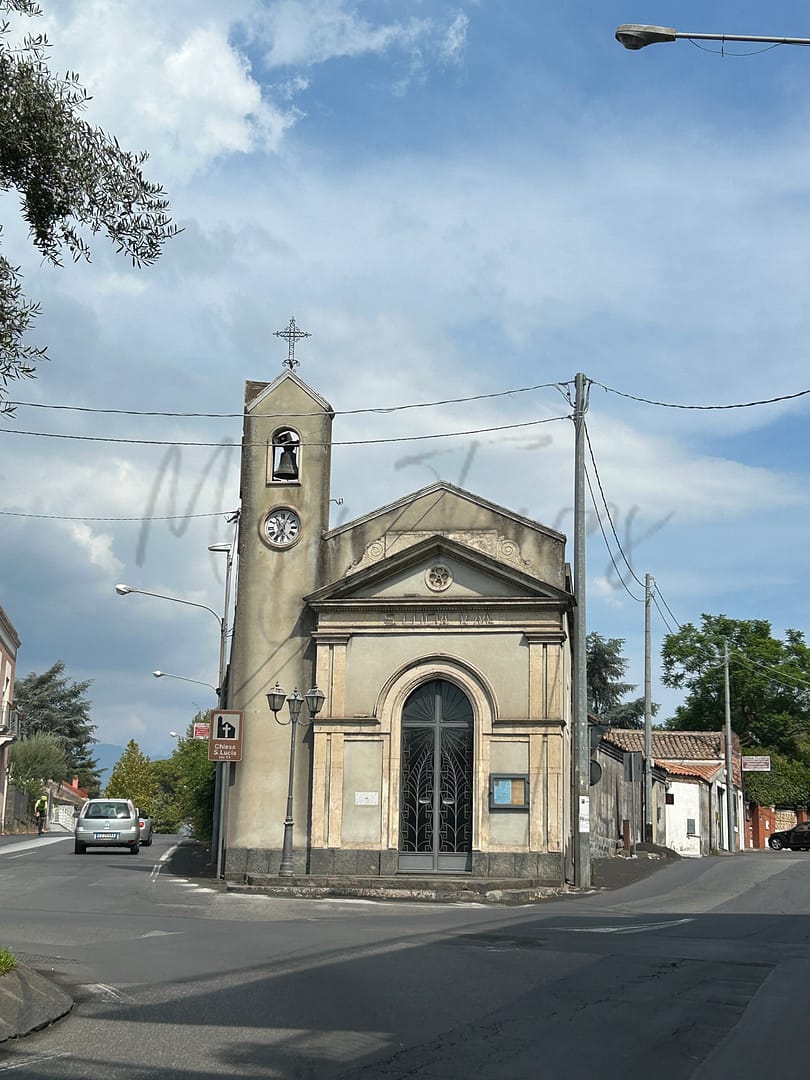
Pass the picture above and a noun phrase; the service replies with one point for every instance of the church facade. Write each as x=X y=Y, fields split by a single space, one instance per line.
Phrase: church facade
x=438 y=630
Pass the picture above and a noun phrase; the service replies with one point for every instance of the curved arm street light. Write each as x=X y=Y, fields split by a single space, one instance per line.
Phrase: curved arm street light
x=168 y=675
x=314 y=699
x=220 y=802
x=638 y=35
x=125 y=590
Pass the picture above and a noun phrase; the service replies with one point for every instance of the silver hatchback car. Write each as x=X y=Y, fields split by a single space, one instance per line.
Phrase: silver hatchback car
x=107 y=823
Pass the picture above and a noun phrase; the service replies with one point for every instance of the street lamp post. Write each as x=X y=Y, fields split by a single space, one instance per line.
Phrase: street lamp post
x=275 y=699
x=220 y=690
x=638 y=35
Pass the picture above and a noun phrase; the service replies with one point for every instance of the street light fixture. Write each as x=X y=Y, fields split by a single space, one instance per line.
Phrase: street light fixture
x=217 y=825
x=275 y=699
x=638 y=35
x=168 y=675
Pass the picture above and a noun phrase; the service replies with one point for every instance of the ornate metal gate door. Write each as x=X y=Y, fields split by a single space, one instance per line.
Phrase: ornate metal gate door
x=435 y=831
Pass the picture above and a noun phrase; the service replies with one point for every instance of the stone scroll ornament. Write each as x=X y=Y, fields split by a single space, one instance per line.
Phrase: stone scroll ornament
x=488 y=540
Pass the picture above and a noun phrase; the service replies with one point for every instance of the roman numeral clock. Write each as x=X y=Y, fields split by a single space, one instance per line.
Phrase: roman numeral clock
x=281 y=527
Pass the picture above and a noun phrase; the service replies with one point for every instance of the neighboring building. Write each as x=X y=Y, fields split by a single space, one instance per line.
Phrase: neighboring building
x=438 y=629
x=65 y=799
x=617 y=801
x=9 y=644
x=696 y=799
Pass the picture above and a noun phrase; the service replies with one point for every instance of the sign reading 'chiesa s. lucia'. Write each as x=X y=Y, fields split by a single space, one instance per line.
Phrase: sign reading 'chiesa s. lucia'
x=437 y=629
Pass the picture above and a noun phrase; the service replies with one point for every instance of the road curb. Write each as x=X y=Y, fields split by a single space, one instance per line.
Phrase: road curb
x=29 y=1001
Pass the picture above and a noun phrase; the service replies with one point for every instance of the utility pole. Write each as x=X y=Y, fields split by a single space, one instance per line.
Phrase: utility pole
x=581 y=753
x=730 y=796
x=648 y=760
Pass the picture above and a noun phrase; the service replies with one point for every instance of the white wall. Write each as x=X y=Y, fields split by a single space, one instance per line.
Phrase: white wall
x=686 y=807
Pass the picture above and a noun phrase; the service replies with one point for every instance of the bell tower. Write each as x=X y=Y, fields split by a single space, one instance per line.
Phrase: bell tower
x=286 y=455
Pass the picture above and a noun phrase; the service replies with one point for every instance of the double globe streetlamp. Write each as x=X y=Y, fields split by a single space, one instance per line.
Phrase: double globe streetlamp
x=314 y=699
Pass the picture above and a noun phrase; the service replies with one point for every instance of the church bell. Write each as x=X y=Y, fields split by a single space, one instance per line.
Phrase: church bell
x=287 y=465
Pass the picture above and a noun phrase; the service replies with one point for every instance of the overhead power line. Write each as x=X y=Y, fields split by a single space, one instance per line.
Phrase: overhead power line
x=666 y=605
x=338 y=412
x=140 y=517
x=679 y=405
x=634 y=575
x=336 y=442
x=638 y=599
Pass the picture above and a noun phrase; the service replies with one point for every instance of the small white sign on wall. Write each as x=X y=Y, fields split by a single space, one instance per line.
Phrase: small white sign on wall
x=366 y=798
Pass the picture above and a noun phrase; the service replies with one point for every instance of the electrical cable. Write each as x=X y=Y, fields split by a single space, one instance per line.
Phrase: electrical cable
x=666 y=605
x=704 y=408
x=336 y=442
x=746 y=661
x=338 y=412
x=607 y=509
x=660 y=612
x=639 y=600
x=142 y=517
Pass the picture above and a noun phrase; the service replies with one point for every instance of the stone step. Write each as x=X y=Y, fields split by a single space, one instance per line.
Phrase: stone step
x=442 y=889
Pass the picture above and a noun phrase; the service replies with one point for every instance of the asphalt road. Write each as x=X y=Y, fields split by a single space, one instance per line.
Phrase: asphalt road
x=698 y=971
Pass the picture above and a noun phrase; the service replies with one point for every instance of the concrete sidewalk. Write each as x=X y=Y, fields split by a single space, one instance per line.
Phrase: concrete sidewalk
x=29 y=1001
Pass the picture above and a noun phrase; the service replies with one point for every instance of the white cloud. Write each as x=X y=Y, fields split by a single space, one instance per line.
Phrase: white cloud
x=97 y=546
x=178 y=87
x=451 y=46
x=313 y=32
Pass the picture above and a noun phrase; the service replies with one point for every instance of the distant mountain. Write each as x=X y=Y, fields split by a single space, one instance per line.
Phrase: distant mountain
x=106 y=755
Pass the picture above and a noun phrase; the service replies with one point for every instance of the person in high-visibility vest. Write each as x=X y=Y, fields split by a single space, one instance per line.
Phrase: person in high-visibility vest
x=40 y=813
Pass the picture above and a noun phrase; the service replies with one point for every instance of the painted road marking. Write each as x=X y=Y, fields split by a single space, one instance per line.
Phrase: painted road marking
x=643 y=928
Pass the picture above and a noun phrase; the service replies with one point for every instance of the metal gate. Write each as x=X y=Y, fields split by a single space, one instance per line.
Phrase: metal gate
x=435 y=830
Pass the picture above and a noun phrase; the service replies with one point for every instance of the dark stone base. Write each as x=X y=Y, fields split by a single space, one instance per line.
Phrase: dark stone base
x=242 y=863
x=537 y=865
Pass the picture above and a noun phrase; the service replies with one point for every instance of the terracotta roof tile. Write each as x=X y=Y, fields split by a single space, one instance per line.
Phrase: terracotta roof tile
x=704 y=772
x=679 y=747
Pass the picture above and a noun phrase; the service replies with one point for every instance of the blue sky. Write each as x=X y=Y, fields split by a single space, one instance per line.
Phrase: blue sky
x=455 y=199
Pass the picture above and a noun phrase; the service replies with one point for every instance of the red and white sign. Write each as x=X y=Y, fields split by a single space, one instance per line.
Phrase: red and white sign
x=202 y=730
x=756 y=764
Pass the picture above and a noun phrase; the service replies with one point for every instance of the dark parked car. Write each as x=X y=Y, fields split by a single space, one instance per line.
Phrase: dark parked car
x=795 y=839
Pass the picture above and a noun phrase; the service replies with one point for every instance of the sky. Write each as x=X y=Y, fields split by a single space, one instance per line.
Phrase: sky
x=456 y=200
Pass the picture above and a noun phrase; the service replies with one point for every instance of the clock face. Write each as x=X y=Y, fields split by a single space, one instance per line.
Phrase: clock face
x=282 y=527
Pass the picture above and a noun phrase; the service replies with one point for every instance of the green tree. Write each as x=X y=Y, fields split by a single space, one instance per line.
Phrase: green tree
x=786 y=785
x=72 y=178
x=606 y=669
x=194 y=792
x=36 y=759
x=769 y=681
x=164 y=810
x=132 y=778
x=53 y=704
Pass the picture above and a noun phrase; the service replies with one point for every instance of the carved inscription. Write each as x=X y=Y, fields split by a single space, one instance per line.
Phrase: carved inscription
x=438 y=617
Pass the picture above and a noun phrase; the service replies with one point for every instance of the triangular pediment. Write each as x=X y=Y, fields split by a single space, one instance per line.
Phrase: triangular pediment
x=438 y=569
x=259 y=394
x=417 y=503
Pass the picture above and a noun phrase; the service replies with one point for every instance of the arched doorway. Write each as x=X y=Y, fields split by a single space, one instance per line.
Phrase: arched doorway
x=435 y=820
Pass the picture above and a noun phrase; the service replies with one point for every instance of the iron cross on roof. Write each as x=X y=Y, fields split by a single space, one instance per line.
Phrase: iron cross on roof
x=292 y=334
